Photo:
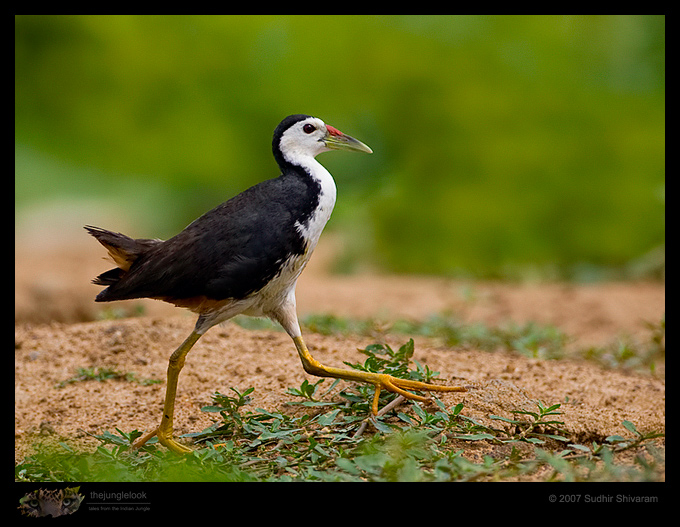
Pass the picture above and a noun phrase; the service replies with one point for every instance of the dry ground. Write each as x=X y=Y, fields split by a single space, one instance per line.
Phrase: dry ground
x=55 y=333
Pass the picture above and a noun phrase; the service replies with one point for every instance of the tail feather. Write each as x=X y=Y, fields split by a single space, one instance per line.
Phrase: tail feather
x=110 y=277
x=122 y=249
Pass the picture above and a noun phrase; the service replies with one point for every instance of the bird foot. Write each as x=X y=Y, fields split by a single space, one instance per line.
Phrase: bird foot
x=396 y=385
x=164 y=439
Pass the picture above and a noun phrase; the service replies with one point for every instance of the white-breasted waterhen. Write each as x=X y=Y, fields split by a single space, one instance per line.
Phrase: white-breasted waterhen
x=244 y=256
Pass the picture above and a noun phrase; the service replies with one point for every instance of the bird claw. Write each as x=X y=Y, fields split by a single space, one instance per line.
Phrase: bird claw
x=400 y=386
x=175 y=446
x=165 y=439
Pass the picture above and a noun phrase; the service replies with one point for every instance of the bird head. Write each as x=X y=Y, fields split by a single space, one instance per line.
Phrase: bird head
x=300 y=136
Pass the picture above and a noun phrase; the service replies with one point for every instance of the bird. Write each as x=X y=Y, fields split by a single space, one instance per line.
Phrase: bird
x=244 y=257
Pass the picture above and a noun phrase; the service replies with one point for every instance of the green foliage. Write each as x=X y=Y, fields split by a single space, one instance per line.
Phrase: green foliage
x=326 y=442
x=538 y=429
x=328 y=434
x=504 y=146
x=275 y=446
x=102 y=374
x=632 y=353
x=529 y=339
x=597 y=462
x=394 y=363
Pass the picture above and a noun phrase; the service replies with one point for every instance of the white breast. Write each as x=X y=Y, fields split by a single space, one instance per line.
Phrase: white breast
x=280 y=292
x=312 y=230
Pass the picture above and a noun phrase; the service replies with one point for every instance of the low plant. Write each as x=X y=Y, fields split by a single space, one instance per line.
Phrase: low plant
x=331 y=435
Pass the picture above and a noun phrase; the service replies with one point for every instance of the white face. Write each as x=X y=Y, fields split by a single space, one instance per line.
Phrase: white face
x=304 y=139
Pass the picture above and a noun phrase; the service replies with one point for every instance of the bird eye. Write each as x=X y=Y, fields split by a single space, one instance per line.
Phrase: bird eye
x=309 y=128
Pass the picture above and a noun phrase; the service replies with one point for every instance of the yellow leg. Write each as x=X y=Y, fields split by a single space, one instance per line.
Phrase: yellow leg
x=164 y=430
x=379 y=380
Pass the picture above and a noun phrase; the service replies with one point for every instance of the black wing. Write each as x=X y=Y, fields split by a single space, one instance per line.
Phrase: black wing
x=229 y=252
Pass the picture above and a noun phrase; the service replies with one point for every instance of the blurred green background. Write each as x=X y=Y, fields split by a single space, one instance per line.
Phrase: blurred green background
x=505 y=146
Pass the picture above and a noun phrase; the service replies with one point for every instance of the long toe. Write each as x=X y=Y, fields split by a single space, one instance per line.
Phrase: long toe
x=400 y=386
x=175 y=446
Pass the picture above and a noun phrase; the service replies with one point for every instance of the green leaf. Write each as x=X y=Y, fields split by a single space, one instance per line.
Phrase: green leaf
x=553 y=408
x=474 y=437
x=66 y=447
x=347 y=465
x=407 y=419
x=372 y=463
x=583 y=448
x=381 y=427
x=556 y=437
x=328 y=418
x=505 y=419
x=407 y=349
x=615 y=439
x=212 y=409
x=631 y=427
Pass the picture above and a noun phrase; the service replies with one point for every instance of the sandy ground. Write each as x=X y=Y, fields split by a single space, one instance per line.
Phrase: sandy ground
x=56 y=332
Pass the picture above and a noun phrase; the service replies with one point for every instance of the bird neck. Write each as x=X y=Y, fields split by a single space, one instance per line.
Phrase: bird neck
x=314 y=172
x=309 y=167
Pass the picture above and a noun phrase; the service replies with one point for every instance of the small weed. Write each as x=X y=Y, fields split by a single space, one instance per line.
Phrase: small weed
x=393 y=363
x=597 y=462
x=104 y=374
x=532 y=340
x=537 y=429
x=333 y=325
x=629 y=353
x=254 y=323
x=306 y=390
x=117 y=313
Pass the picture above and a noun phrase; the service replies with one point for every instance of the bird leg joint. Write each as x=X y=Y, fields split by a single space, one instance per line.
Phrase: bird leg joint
x=309 y=363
